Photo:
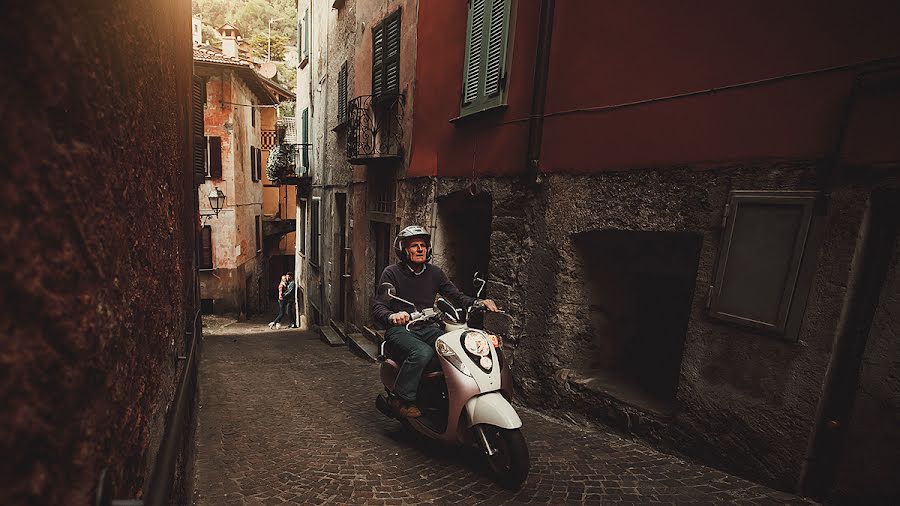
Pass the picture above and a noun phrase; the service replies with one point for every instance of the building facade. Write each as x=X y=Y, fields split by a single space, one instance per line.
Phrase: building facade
x=233 y=263
x=694 y=227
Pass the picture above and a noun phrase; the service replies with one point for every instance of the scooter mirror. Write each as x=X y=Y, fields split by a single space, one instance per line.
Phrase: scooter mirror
x=386 y=292
x=447 y=309
x=479 y=283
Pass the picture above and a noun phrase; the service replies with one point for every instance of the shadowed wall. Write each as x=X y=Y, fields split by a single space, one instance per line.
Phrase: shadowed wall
x=97 y=241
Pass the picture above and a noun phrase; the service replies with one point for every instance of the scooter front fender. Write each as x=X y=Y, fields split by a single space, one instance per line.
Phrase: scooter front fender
x=492 y=409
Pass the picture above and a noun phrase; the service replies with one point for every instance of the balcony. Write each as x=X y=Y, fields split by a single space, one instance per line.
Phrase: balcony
x=375 y=129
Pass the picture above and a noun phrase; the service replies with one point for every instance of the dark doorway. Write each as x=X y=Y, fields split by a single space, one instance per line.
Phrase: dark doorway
x=639 y=288
x=340 y=242
x=382 y=237
x=465 y=238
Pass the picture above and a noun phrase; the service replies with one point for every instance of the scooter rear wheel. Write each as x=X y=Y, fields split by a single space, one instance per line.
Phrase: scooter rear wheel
x=510 y=462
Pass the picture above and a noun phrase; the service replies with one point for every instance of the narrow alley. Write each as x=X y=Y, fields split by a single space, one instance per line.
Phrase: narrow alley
x=286 y=418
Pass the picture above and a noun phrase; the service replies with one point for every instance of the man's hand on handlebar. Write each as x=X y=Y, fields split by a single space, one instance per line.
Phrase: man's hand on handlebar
x=489 y=304
x=401 y=318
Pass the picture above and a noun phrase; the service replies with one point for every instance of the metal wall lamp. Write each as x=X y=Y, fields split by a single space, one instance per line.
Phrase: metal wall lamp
x=216 y=203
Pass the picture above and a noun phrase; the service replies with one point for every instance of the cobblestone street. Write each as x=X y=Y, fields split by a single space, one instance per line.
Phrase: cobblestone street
x=286 y=418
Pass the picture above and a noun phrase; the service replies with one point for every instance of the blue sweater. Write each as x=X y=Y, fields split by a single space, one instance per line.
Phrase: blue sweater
x=420 y=290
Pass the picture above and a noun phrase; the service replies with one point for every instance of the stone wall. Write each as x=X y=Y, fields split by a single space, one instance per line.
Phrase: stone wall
x=744 y=401
x=99 y=223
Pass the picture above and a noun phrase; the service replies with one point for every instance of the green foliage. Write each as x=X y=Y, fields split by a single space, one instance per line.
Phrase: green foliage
x=281 y=163
x=260 y=44
x=251 y=16
x=287 y=74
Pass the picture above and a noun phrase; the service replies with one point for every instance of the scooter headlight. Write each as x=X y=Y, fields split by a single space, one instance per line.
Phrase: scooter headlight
x=477 y=344
x=450 y=356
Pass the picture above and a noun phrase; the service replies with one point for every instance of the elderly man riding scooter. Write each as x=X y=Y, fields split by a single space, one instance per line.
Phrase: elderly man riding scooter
x=417 y=281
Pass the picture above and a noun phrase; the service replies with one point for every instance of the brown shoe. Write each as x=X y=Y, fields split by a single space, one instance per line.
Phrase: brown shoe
x=405 y=409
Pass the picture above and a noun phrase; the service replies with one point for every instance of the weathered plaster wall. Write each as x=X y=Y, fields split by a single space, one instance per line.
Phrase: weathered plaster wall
x=234 y=230
x=99 y=220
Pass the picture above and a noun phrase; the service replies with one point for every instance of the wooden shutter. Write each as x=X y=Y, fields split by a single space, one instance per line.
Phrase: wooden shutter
x=484 y=72
x=252 y=163
x=198 y=98
x=258 y=164
x=496 y=47
x=214 y=145
x=206 y=259
x=475 y=34
x=258 y=235
x=304 y=125
x=392 y=54
x=342 y=94
x=377 y=60
x=306 y=32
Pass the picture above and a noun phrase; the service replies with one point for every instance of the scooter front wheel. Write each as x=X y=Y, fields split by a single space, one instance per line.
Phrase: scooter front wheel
x=510 y=461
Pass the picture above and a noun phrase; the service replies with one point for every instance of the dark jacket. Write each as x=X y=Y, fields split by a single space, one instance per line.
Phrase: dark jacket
x=420 y=290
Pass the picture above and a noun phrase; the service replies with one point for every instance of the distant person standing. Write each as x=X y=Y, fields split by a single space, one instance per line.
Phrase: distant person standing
x=289 y=294
x=282 y=303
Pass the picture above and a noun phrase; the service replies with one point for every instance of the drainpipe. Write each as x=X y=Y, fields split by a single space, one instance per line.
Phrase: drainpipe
x=539 y=95
x=819 y=465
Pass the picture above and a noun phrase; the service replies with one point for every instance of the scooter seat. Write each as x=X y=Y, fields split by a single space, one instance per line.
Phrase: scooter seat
x=428 y=375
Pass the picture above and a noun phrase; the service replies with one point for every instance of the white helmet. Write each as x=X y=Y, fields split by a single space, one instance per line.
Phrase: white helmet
x=407 y=233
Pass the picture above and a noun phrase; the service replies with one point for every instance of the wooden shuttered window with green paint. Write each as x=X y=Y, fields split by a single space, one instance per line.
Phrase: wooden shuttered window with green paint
x=386 y=56
x=306 y=32
x=484 y=70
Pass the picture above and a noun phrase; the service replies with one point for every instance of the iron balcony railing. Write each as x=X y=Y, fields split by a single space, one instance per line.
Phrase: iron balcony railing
x=374 y=128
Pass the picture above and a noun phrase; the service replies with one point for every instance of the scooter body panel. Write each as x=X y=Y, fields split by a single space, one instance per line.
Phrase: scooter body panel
x=492 y=409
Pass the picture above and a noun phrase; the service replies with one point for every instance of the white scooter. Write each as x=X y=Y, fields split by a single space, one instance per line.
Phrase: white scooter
x=466 y=399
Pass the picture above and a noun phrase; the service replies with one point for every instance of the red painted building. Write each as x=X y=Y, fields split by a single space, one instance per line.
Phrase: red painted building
x=708 y=256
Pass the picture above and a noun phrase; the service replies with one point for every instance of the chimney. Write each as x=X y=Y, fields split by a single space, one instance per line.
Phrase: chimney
x=230 y=36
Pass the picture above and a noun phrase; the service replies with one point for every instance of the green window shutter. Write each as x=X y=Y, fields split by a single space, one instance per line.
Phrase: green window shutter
x=484 y=74
x=306 y=32
x=496 y=47
x=474 y=34
x=377 y=60
x=342 y=94
x=305 y=127
x=392 y=53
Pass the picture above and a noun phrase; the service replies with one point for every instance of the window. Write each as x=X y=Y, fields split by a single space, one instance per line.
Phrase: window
x=214 y=157
x=342 y=94
x=484 y=71
x=762 y=277
x=314 y=232
x=304 y=131
x=252 y=115
x=253 y=163
x=386 y=56
x=258 y=164
x=258 y=233
x=303 y=38
x=301 y=226
x=206 y=257
x=198 y=99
